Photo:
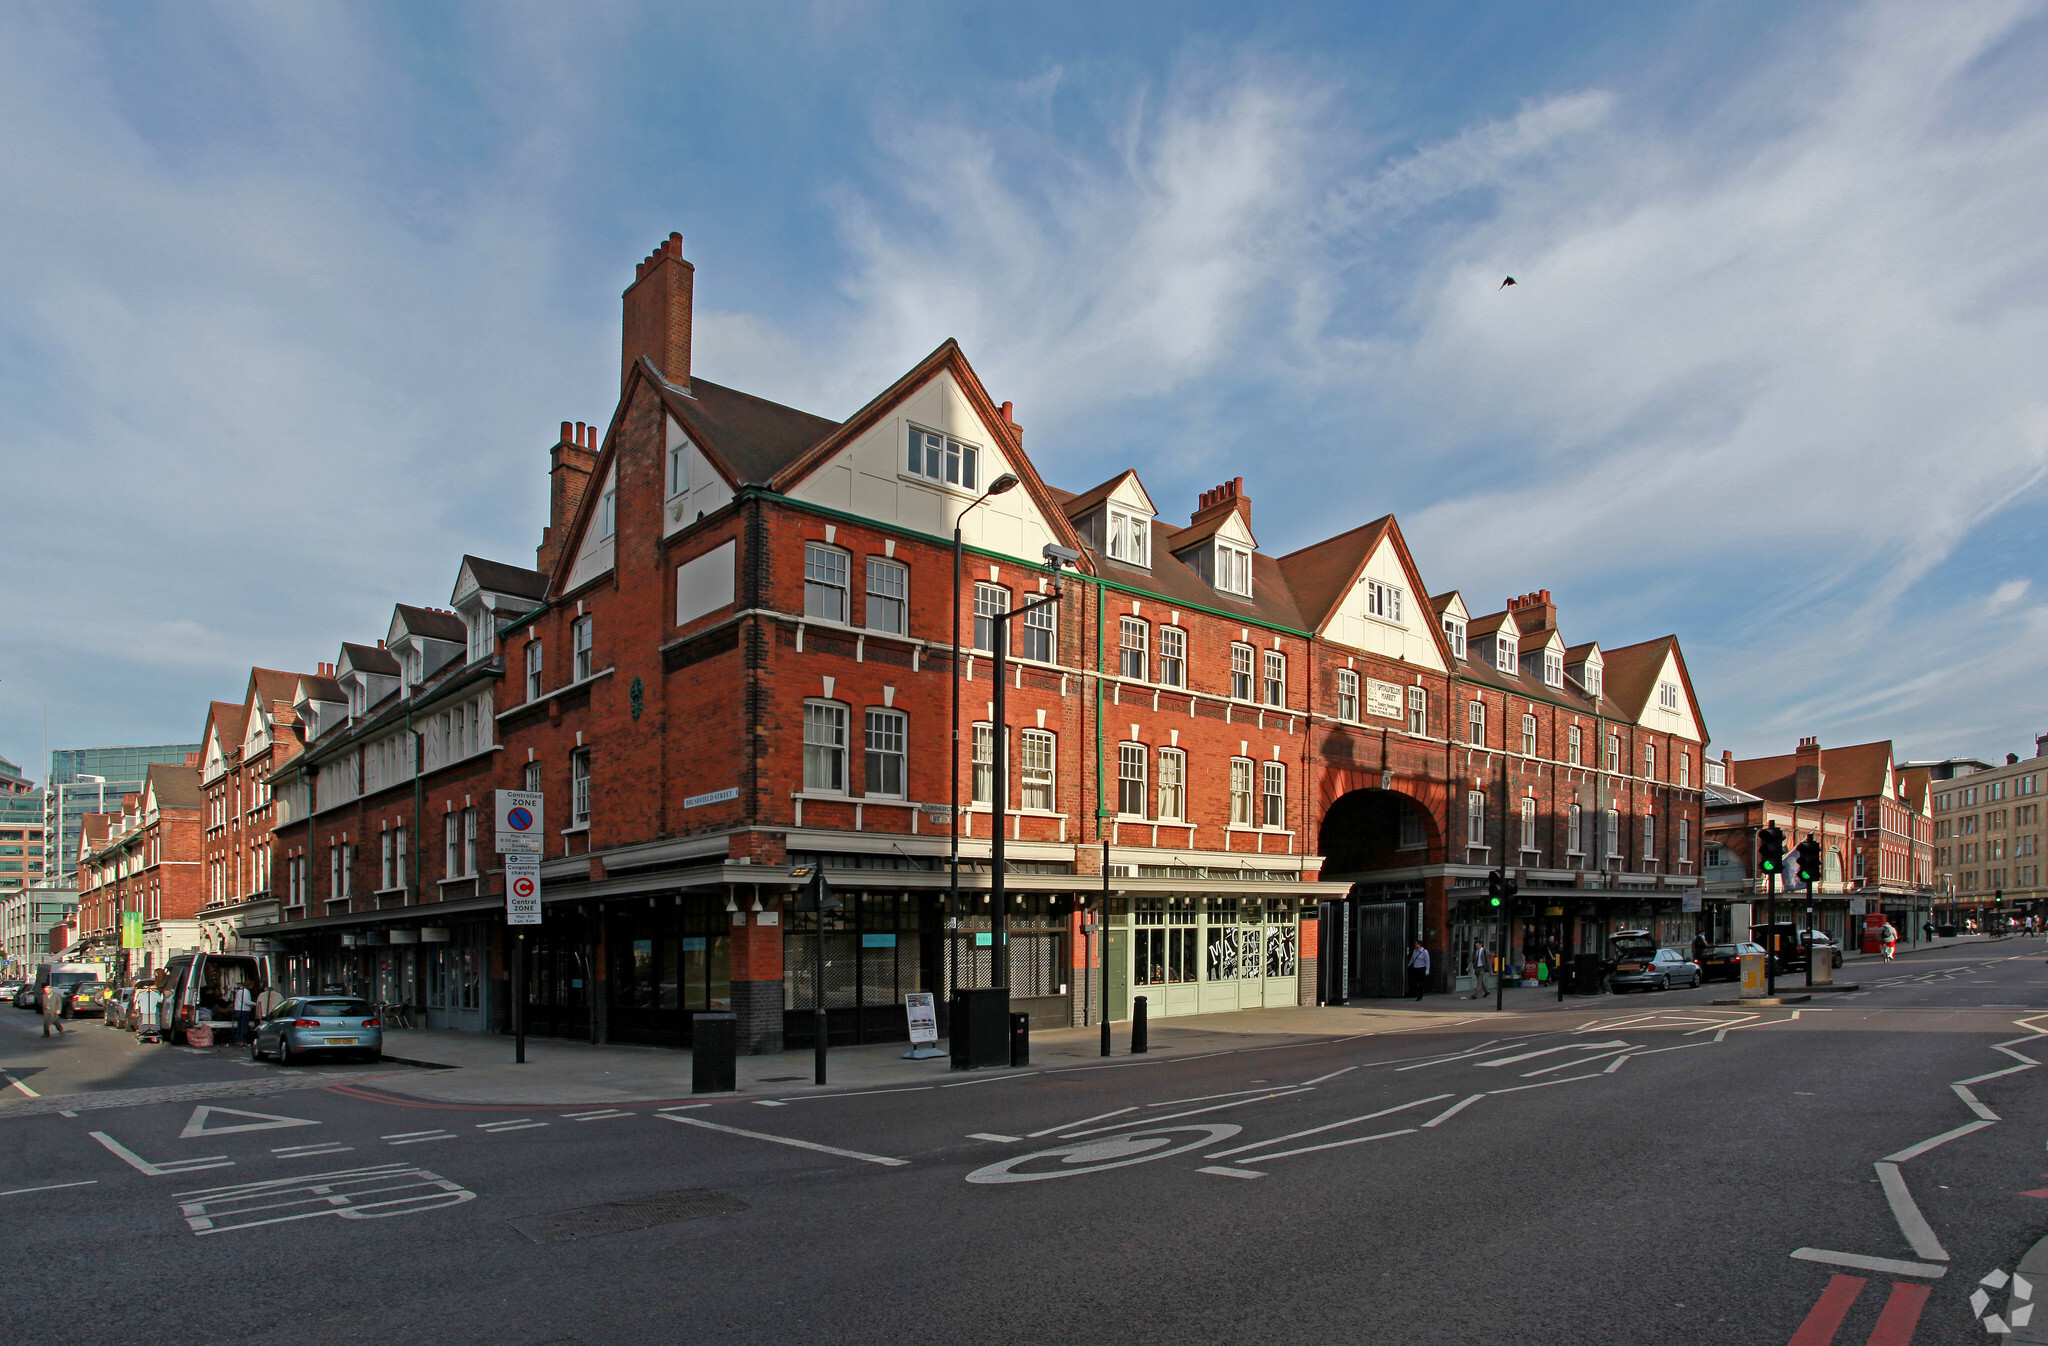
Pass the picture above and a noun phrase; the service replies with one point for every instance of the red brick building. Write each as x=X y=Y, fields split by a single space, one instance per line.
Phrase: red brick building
x=242 y=746
x=735 y=656
x=146 y=858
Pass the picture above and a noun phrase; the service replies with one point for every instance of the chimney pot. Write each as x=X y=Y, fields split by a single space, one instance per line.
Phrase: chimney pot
x=566 y=432
x=658 y=314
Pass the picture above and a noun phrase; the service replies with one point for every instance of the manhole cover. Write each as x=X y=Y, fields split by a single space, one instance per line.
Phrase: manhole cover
x=617 y=1217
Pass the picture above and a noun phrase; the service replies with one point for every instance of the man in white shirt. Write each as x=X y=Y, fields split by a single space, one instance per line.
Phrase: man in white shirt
x=1418 y=970
x=244 y=1006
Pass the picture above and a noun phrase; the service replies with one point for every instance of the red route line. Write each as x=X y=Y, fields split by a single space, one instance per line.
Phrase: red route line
x=1901 y=1315
x=1828 y=1311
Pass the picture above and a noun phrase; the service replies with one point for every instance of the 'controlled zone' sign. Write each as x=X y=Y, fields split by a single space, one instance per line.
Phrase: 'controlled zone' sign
x=520 y=826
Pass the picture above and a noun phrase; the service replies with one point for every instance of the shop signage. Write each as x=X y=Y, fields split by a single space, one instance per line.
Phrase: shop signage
x=433 y=934
x=131 y=929
x=520 y=823
x=1858 y=905
x=405 y=937
x=924 y=1018
x=1690 y=902
x=522 y=888
x=1383 y=698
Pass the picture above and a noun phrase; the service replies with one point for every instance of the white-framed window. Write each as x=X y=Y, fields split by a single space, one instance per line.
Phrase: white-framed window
x=825 y=570
x=1173 y=656
x=1593 y=680
x=1528 y=823
x=1241 y=672
x=1276 y=678
x=1037 y=634
x=1614 y=752
x=1506 y=656
x=1347 y=694
x=1038 y=753
x=451 y=841
x=1575 y=743
x=532 y=781
x=1610 y=829
x=533 y=670
x=1454 y=632
x=1685 y=771
x=1233 y=569
x=388 y=849
x=1667 y=695
x=1553 y=668
x=1418 y=711
x=1574 y=843
x=608 y=512
x=1130 y=537
x=1685 y=841
x=885 y=736
x=990 y=602
x=1173 y=778
x=1475 y=817
x=1475 y=722
x=1383 y=600
x=825 y=747
x=1649 y=761
x=579 y=788
x=981 y=788
x=1528 y=736
x=1130 y=780
x=1649 y=836
x=582 y=642
x=1273 y=794
x=679 y=470
x=1132 y=657
x=1240 y=792
x=937 y=457
x=888 y=595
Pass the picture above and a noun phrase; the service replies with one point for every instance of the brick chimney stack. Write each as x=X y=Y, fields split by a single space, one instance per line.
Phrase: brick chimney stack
x=657 y=319
x=574 y=454
x=1534 y=611
x=1230 y=494
x=1807 y=776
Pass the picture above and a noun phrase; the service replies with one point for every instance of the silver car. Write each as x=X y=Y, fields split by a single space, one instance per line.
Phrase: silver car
x=1660 y=971
x=310 y=1026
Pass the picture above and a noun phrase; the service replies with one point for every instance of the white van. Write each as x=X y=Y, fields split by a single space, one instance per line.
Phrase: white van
x=61 y=975
x=201 y=989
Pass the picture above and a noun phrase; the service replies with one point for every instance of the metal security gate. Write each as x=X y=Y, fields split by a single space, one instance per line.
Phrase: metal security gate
x=1379 y=945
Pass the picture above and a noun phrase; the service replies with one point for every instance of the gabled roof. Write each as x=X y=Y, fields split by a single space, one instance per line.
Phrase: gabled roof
x=1322 y=574
x=175 y=787
x=370 y=659
x=1487 y=625
x=1853 y=772
x=272 y=685
x=231 y=718
x=1578 y=654
x=1208 y=521
x=1077 y=505
x=1629 y=674
x=496 y=577
x=319 y=687
x=750 y=439
x=430 y=623
x=1442 y=602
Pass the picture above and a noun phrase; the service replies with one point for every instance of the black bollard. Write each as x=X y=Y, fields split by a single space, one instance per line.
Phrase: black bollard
x=1138 y=1042
x=1020 y=1039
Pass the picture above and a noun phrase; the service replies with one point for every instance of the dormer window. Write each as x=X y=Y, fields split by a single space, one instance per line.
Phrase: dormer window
x=1454 y=631
x=1553 y=668
x=1130 y=537
x=1592 y=679
x=1233 y=569
x=1506 y=657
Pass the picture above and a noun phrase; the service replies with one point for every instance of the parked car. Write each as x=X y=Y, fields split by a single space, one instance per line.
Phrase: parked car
x=81 y=1000
x=308 y=1026
x=121 y=1008
x=1795 y=945
x=1662 y=970
x=1723 y=962
x=25 y=996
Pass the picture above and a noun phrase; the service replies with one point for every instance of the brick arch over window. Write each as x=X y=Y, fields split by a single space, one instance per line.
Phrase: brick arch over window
x=1364 y=830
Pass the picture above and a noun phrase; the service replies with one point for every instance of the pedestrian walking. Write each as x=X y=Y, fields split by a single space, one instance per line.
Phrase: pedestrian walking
x=244 y=1006
x=1418 y=970
x=51 y=999
x=1927 y=928
x=1699 y=947
x=1888 y=939
x=1481 y=962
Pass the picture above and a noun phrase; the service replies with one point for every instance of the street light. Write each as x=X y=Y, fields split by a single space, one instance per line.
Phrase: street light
x=996 y=487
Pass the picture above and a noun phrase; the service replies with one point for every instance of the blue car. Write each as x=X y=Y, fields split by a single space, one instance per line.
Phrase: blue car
x=313 y=1026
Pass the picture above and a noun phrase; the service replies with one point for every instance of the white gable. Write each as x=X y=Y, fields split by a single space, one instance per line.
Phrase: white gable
x=1682 y=722
x=1411 y=638
x=1131 y=494
x=869 y=477
x=258 y=737
x=1456 y=608
x=691 y=486
x=216 y=759
x=1233 y=529
x=594 y=548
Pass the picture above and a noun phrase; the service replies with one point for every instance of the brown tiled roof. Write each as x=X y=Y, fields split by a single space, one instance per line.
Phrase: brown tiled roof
x=1574 y=654
x=273 y=685
x=1629 y=674
x=752 y=438
x=1077 y=505
x=1487 y=625
x=233 y=719
x=1441 y=602
x=177 y=787
x=496 y=577
x=1173 y=580
x=432 y=624
x=1205 y=522
x=370 y=659
x=1852 y=772
x=1322 y=574
x=319 y=687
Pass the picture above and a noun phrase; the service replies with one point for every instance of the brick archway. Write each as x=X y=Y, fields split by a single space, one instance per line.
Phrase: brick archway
x=1363 y=830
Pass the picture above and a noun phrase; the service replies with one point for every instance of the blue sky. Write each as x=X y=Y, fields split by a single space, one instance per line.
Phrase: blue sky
x=294 y=296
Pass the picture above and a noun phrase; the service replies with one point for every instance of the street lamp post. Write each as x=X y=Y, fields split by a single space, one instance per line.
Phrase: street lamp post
x=996 y=487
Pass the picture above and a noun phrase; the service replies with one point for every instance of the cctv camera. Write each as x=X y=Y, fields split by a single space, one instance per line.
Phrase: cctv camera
x=1056 y=556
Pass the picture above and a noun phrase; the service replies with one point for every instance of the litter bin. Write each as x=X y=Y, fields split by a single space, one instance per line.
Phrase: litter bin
x=1753 y=984
x=1585 y=974
x=714 y=1053
x=980 y=1027
x=1020 y=1039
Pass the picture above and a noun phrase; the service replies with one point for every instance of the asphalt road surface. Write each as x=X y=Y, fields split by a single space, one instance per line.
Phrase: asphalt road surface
x=1867 y=1168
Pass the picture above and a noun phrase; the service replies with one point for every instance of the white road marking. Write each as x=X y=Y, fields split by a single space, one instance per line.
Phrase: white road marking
x=595 y=1116
x=769 y=1103
x=523 y=1124
x=1465 y=1055
x=787 y=1140
x=1328 y=1126
x=141 y=1165
x=266 y=1121
x=860 y=1093
x=402 y=1135
x=1544 y=1051
x=990 y=1135
x=1919 y=1234
x=1452 y=1111
x=418 y=1137
x=19 y=1085
x=1234 y=1093
x=2009 y=1070
x=1972 y=1102
x=1567 y=1065
x=1223 y=1172
x=1095 y=1156
x=1332 y=1145
x=1915 y=1151
x=1543 y=1084
x=1213 y=1107
x=997 y=1079
x=1885 y=1265
x=1331 y=1076
x=219 y=1210
x=1067 y=1126
x=53 y=1187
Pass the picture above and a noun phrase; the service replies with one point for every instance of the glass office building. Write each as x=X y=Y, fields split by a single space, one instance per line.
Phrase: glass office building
x=68 y=796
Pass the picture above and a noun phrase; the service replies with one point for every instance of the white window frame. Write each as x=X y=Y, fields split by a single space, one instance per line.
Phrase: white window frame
x=1649 y=836
x=1553 y=668
x=991 y=601
x=1475 y=819
x=608 y=512
x=1418 y=711
x=824 y=742
x=1383 y=600
x=1528 y=735
x=1133 y=649
x=1233 y=569
x=1129 y=536
x=1173 y=785
x=1593 y=681
x=679 y=470
x=1347 y=695
x=1667 y=695
x=1575 y=746
x=888 y=595
x=1039 y=630
x=828 y=574
x=1241 y=672
x=885 y=743
x=1173 y=656
x=1241 y=792
x=1649 y=761
x=1132 y=779
x=1454 y=632
x=1685 y=771
x=1475 y=723
x=1528 y=825
x=1574 y=835
x=583 y=645
x=942 y=459
x=1685 y=841
x=534 y=670
x=579 y=788
x=1038 y=758
x=981 y=764
x=1273 y=679
x=1273 y=795
x=1507 y=654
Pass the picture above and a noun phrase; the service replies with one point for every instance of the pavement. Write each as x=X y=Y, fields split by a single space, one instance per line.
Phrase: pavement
x=1618 y=1169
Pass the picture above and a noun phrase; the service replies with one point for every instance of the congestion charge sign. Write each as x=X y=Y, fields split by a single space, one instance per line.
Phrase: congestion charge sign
x=519 y=822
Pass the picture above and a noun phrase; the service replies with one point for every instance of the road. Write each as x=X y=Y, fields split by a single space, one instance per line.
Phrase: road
x=1642 y=1169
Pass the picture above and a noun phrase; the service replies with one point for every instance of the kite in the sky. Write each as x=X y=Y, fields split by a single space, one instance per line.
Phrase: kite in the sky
x=1504 y=284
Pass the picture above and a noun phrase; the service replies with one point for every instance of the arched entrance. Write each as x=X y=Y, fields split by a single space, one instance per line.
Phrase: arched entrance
x=1381 y=841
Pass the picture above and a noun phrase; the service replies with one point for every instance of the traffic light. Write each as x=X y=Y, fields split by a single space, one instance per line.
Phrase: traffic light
x=1500 y=889
x=1809 y=860
x=1770 y=850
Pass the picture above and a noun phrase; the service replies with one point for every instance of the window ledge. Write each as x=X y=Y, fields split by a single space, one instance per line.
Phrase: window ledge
x=574 y=828
x=399 y=891
x=459 y=878
x=545 y=697
x=1240 y=827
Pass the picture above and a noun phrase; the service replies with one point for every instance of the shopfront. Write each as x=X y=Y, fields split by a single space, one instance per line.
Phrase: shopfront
x=880 y=947
x=1204 y=953
x=666 y=958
